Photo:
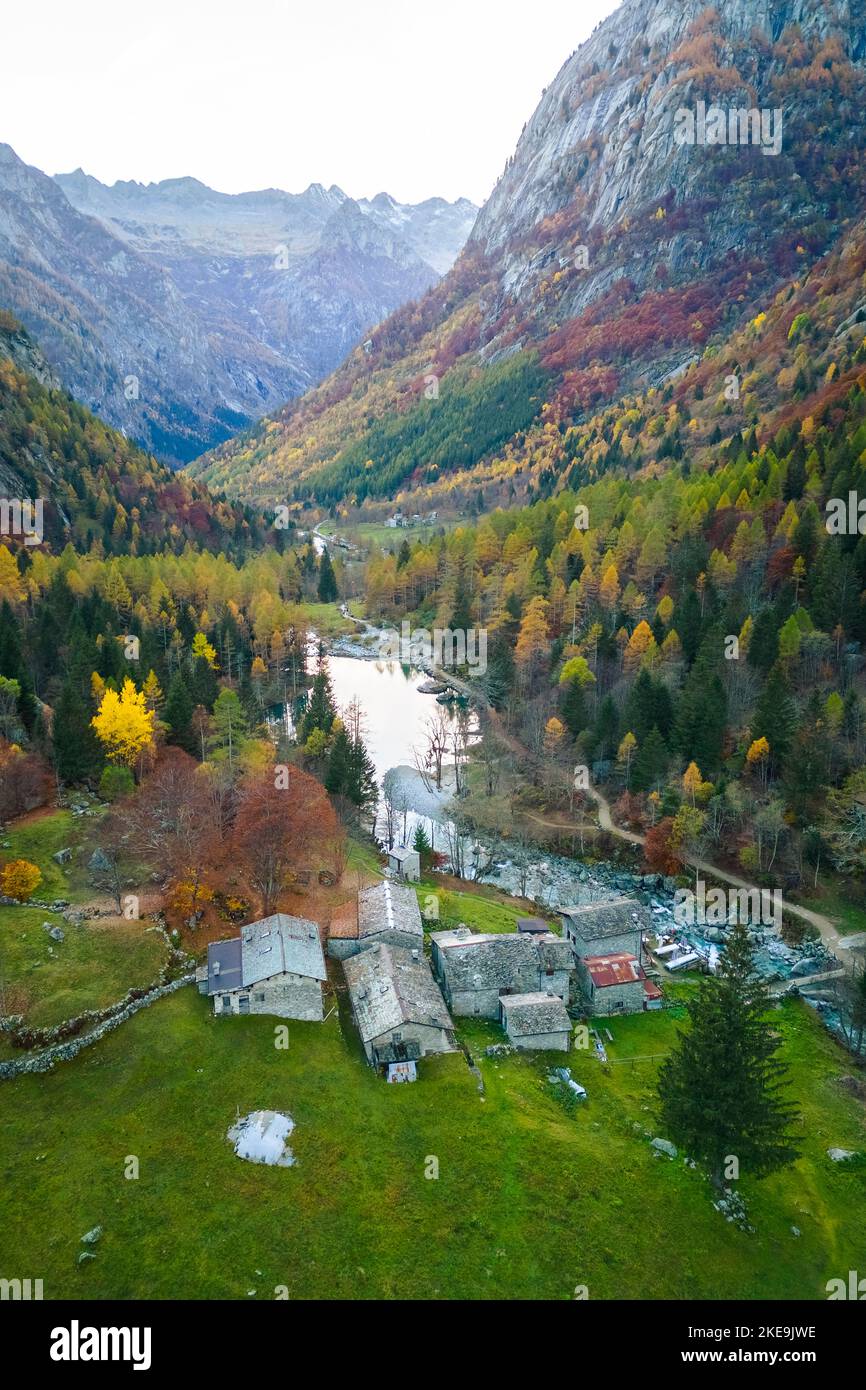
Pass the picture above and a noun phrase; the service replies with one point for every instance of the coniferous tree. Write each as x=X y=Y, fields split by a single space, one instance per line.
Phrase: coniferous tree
x=650 y=766
x=327 y=589
x=321 y=710
x=701 y=715
x=77 y=754
x=775 y=718
x=178 y=715
x=574 y=709
x=722 y=1089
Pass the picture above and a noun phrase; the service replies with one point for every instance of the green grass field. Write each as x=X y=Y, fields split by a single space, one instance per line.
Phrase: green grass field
x=95 y=964
x=37 y=840
x=532 y=1198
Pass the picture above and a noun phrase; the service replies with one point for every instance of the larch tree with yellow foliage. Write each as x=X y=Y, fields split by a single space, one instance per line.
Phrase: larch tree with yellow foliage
x=124 y=725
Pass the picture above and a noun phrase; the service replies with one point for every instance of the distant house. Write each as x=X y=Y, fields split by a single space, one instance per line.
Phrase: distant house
x=405 y=863
x=536 y=1021
x=476 y=970
x=386 y=912
x=605 y=928
x=617 y=984
x=533 y=926
x=397 y=1005
x=276 y=966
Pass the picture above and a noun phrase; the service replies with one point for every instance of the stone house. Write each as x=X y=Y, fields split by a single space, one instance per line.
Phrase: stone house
x=536 y=1021
x=476 y=970
x=615 y=984
x=386 y=912
x=405 y=863
x=276 y=966
x=605 y=928
x=397 y=1005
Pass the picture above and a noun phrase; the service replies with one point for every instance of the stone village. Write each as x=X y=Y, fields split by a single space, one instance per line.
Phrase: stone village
x=533 y=982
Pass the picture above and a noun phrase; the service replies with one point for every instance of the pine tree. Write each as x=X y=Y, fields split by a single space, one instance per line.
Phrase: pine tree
x=701 y=715
x=327 y=580
x=775 y=718
x=339 y=770
x=203 y=685
x=722 y=1088
x=574 y=710
x=77 y=754
x=650 y=765
x=321 y=710
x=178 y=715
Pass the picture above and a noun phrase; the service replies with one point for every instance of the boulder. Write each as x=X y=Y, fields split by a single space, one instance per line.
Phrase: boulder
x=99 y=861
x=841 y=1155
x=92 y=1236
x=664 y=1146
x=62 y=856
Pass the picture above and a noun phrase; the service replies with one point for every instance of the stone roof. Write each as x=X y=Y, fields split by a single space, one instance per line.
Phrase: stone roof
x=554 y=952
x=389 y=906
x=498 y=960
x=489 y=961
x=390 y=986
x=402 y=852
x=594 y=921
x=526 y=1014
x=281 y=944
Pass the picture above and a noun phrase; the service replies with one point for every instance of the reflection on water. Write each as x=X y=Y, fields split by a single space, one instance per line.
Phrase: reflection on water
x=395 y=713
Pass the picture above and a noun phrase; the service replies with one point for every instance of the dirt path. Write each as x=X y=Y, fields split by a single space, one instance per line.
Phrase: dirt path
x=827 y=929
x=829 y=934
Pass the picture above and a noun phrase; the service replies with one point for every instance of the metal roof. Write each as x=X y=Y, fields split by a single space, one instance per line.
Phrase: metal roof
x=224 y=966
x=619 y=969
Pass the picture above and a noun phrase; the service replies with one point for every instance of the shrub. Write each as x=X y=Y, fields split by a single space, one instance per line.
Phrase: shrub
x=19 y=879
x=115 y=783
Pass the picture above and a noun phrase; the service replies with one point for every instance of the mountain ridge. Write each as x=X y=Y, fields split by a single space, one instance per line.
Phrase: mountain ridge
x=174 y=324
x=611 y=250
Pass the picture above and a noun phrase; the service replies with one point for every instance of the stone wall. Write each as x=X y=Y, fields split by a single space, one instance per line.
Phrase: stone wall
x=283 y=996
x=64 y=1051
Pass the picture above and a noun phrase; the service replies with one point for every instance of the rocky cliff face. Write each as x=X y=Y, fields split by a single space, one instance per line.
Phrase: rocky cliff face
x=620 y=242
x=603 y=164
x=180 y=314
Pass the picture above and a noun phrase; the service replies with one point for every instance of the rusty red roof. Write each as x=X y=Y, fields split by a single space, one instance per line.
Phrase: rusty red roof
x=619 y=969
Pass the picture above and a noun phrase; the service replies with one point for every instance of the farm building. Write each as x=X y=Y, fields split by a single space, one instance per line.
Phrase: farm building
x=536 y=1021
x=386 y=912
x=475 y=970
x=397 y=1005
x=533 y=926
x=405 y=863
x=617 y=984
x=605 y=928
x=276 y=966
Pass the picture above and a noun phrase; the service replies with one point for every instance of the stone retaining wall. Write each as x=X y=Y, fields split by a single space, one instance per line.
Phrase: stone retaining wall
x=65 y=1051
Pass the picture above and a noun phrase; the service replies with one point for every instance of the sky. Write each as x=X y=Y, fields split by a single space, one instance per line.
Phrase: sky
x=415 y=99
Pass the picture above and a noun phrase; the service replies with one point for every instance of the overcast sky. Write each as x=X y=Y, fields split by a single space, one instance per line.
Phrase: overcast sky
x=414 y=98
